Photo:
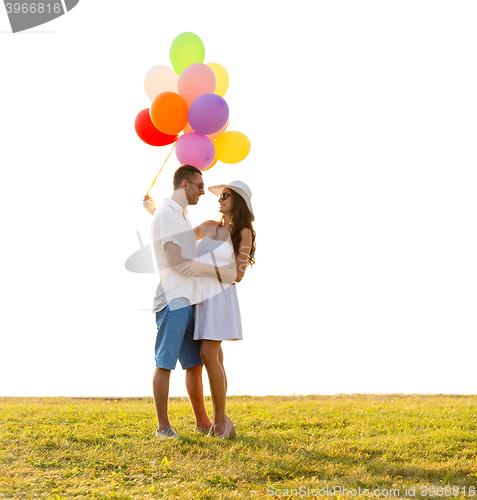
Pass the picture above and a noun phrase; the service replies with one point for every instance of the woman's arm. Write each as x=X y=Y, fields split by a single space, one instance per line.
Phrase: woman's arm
x=241 y=259
x=225 y=274
x=204 y=229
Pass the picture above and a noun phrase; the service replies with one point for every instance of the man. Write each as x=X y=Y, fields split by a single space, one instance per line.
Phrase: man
x=175 y=246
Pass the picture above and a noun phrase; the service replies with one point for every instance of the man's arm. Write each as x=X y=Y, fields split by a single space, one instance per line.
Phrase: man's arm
x=167 y=238
x=227 y=274
x=173 y=254
x=149 y=204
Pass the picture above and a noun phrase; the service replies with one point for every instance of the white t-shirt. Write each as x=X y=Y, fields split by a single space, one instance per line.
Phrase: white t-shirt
x=170 y=223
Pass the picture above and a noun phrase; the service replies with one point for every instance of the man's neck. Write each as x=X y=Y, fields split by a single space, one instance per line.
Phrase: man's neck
x=180 y=197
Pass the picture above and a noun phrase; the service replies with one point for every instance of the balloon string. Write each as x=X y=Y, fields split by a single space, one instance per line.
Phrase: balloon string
x=161 y=169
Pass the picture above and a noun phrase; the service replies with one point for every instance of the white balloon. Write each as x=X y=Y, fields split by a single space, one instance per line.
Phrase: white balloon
x=160 y=79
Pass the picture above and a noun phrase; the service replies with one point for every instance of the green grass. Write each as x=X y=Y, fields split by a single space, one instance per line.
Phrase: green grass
x=59 y=448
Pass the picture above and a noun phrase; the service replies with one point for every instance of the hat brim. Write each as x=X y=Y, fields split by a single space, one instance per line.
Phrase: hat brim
x=218 y=189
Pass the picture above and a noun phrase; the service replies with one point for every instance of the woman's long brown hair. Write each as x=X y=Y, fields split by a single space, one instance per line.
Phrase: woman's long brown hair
x=241 y=218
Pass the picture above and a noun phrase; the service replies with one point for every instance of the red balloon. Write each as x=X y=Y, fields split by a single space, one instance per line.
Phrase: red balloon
x=149 y=133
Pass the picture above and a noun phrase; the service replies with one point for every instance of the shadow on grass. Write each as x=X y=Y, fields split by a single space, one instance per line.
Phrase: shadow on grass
x=375 y=467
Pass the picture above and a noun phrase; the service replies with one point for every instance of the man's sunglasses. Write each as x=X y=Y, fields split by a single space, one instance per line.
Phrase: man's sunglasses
x=223 y=196
x=200 y=186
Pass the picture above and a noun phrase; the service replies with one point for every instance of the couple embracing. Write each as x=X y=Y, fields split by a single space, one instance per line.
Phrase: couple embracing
x=196 y=304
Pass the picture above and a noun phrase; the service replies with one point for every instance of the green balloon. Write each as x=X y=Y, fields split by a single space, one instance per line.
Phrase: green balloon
x=186 y=48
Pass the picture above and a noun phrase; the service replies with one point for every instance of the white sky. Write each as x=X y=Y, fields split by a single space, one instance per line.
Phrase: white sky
x=362 y=119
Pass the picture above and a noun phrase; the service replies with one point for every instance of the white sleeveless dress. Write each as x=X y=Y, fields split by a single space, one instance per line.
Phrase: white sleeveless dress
x=217 y=317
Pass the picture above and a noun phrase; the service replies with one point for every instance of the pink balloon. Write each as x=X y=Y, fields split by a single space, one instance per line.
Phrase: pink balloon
x=196 y=150
x=208 y=114
x=195 y=80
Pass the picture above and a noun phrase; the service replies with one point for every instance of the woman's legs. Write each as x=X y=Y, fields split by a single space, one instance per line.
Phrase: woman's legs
x=221 y=361
x=212 y=357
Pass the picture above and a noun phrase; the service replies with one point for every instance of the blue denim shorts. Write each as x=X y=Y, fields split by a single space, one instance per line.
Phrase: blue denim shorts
x=175 y=336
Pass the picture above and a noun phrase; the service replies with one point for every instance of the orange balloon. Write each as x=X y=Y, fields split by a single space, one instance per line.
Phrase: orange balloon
x=169 y=112
x=211 y=165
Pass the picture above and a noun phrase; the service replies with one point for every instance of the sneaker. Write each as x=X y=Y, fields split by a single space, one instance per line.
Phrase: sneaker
x=167 y=433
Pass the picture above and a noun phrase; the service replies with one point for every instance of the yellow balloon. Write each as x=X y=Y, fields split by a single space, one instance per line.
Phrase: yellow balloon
x=232 y=147
x=221 y=78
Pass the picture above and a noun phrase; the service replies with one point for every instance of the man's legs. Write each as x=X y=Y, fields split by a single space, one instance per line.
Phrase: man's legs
x=172 y=323
x=195 y=389
x=160 y=388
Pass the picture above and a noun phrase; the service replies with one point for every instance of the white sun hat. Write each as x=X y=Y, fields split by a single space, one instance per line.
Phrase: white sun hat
x=240 y=188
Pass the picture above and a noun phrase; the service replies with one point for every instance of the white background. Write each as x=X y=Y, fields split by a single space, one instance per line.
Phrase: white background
x=362 y=119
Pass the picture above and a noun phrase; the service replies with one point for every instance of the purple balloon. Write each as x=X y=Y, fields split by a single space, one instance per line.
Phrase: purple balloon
x=196 y=150
x=208 y=114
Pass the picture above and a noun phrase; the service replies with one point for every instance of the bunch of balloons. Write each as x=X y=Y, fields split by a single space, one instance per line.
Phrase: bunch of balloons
x=188 y=108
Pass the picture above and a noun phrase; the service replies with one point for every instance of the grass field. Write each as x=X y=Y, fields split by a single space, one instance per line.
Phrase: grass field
x=354 y=445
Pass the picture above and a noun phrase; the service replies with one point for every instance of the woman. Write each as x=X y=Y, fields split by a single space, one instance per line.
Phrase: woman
x=226 y=249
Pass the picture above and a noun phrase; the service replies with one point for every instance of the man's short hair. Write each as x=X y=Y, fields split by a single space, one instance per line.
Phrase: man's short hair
x=186 y=172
